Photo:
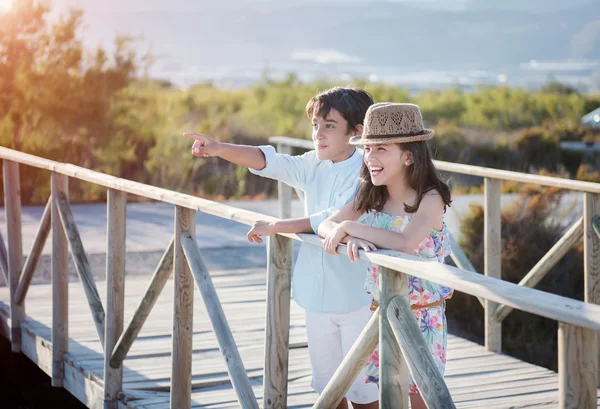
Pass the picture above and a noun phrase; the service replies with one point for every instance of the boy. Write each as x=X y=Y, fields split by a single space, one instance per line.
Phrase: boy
x=330 y=289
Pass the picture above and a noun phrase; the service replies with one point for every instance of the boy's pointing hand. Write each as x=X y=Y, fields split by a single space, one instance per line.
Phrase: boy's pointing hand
x=203 y=145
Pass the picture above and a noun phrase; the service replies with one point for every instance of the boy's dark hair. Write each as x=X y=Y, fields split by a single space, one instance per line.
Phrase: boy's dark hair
x=422 y=176
x=351 y=103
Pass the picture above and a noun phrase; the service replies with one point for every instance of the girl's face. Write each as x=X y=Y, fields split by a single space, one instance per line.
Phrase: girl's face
x=387 y=163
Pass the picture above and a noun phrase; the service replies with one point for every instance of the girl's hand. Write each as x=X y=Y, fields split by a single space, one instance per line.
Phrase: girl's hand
x=203 y=145
x=261 y=228
x=333 y=240
x=355 y=244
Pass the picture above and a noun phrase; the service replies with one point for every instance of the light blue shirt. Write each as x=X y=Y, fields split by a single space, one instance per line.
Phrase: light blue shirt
x=321 y=282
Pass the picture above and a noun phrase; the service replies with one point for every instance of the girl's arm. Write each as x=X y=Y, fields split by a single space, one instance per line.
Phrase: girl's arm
x=429 y=216
x=332 y=223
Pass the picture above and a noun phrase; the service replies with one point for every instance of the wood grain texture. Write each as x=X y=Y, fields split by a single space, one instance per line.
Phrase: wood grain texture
x=157 y=283
x=218 y=321
x=12 y=202
x=115 y=292
x=183 y=314
x=577 y=367
x=462 y=261
x=591 y=254
x=60 y=283
x=393 y=370
x=82 y=265
x=34 y=254
x=277 y=327
x=492 y=260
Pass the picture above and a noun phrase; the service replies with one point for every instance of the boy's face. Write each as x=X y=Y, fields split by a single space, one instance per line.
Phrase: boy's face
x=330 y=135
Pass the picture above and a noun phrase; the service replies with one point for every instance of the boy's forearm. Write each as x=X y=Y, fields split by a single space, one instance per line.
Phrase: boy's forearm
x=382 y=238
x=243 y=155
x=301 y=225
x=326 y=227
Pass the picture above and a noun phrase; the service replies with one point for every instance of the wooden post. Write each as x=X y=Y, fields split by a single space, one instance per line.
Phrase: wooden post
x=353 y=363
x=577 y=367
x=279 y=276
x=183 y=314
x=157 y=283
x=393 y=370
x=115 y=292
x=60 y=283
x=12 y=202
x=492 y=260
x=591 y=256
x=218 y=321
x=34 y=255
x=422 y=367
x=284 y=192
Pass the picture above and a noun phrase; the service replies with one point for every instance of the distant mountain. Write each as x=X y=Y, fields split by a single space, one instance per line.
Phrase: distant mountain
x=229 y=33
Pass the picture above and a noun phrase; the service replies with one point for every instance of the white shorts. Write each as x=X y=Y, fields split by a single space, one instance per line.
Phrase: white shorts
x=330 y=337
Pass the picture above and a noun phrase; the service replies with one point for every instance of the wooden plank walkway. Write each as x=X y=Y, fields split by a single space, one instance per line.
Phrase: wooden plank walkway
x=476 y=378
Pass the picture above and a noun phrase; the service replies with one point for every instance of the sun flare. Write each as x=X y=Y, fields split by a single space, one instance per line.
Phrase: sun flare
x=5 y=4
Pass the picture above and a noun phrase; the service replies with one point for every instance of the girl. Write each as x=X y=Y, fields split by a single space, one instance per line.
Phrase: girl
x=405 y=200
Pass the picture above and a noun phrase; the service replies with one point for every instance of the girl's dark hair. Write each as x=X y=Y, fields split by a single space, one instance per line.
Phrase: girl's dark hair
x=422 y=177
x=351 y=103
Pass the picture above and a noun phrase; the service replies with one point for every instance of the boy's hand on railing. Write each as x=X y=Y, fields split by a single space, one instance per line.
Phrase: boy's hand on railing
x=261 y=228
x=355 y=244
x=203 y=145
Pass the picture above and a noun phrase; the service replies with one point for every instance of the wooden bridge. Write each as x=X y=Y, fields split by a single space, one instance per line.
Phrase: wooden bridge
x=245 y=344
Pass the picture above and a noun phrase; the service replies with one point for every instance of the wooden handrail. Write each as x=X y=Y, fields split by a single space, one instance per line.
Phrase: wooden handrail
x=525 y=299
x=480 y=171
x=582 y=318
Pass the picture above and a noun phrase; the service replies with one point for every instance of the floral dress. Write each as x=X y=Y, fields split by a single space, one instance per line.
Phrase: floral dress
x=431 y=320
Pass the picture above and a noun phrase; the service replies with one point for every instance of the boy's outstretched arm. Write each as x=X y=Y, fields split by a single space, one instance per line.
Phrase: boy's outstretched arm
x=242 y=155
x=263 y=228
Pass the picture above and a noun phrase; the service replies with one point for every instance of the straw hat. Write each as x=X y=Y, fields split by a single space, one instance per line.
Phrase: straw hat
x=389 y=122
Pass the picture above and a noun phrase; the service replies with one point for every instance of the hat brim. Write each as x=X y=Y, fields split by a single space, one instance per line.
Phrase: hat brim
x=379 y=139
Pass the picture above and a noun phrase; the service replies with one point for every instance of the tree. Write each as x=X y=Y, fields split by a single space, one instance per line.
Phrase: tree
x=56 y=97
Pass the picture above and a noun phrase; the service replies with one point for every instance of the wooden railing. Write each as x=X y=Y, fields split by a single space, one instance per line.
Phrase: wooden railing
x=392 y=326
x=588 y=226
x=583 y=227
